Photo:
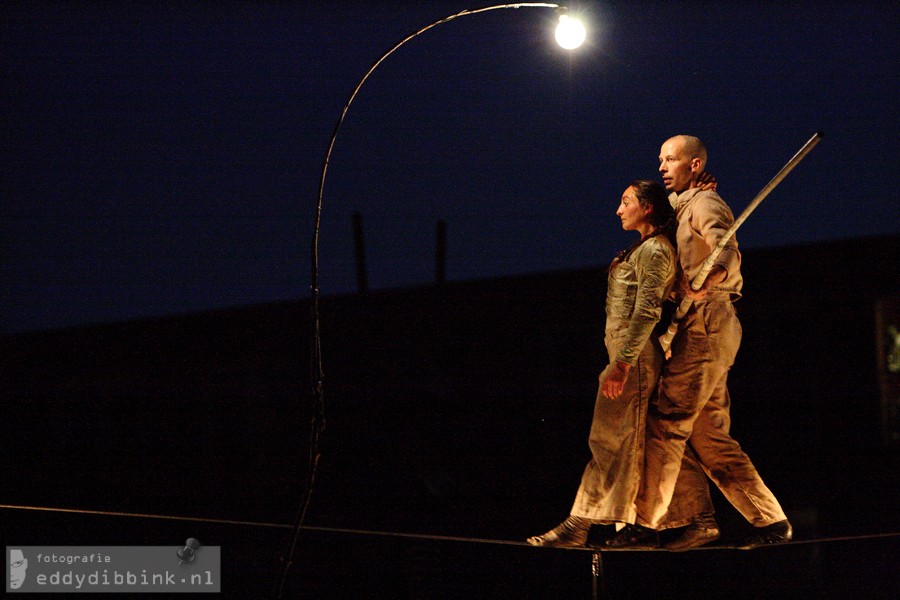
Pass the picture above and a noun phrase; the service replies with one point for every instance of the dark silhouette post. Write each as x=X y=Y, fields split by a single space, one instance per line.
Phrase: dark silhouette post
x=359 y=249
x=440 y=253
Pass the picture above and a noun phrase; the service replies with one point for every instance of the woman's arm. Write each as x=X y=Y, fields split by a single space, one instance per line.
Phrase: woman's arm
x=655 y=272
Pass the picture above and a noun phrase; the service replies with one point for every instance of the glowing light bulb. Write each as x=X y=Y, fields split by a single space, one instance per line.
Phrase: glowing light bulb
x=570 y=32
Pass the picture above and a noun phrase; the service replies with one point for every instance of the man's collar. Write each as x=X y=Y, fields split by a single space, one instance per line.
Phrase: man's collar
x=682 y=198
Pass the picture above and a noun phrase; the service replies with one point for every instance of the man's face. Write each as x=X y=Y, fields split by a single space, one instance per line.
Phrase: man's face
x=17 y=565
x=676 y=167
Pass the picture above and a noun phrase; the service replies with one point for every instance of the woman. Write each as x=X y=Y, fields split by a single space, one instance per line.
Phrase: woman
x=640 y=279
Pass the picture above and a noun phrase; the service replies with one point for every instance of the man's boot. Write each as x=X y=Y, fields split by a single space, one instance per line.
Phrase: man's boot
x=701 y=531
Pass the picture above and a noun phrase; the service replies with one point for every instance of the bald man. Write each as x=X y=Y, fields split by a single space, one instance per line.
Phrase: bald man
x=693 y=405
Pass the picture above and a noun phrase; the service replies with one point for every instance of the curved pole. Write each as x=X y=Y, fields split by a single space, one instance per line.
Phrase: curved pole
x=314 y=279
x=314 y=272
x=317 y=375
x=340 y=121
x=318 y=416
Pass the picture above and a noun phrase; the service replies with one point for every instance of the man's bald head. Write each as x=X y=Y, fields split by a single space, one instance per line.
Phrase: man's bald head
x=681 y=160
x=692 y=148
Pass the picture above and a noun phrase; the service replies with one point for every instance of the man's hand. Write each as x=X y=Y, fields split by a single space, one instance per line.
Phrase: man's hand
x=615 y=382
x=716 y=276
x=705 y=181
x=668 y=353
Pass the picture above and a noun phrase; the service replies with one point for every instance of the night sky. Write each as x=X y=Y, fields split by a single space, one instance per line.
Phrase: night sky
x=164 y=159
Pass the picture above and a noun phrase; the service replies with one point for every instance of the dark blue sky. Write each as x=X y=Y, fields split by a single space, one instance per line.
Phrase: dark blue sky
x=165 y=159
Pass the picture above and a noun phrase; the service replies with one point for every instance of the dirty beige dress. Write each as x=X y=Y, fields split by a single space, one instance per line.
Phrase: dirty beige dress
x=636 y=290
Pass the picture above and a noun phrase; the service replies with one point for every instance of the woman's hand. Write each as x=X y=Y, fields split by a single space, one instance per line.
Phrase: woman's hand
x=705 y=181
x=612 y=386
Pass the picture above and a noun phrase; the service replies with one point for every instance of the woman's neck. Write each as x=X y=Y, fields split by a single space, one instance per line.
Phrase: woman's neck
x=646 y=230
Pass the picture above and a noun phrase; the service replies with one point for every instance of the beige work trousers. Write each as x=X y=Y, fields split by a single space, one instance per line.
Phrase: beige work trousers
x=611 y=480
x=692 y=410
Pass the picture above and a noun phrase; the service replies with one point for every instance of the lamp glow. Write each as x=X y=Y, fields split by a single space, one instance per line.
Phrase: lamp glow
x=570 y=32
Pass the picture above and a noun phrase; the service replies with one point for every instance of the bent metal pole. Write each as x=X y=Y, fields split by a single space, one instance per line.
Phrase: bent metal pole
x=317 y=375
x=666 y=339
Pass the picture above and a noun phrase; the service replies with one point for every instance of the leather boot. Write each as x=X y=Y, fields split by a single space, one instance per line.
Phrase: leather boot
x=777 y=533
x=634 y=536
x=702 y=530
x=571 y=533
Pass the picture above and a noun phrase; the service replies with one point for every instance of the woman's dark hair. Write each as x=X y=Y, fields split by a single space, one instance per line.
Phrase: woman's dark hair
x=651 y=194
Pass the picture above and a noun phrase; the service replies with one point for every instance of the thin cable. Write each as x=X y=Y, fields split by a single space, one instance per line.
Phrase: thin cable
x=109 y=513
x=399 y=534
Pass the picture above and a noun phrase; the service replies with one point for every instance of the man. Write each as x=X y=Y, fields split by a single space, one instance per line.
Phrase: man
x=18 y=565
x=692 y=407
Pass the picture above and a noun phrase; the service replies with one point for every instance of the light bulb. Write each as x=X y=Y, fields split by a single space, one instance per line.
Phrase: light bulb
x=570 y=32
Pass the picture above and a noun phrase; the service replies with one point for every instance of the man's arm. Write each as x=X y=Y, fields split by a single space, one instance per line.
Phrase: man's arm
x=712 y=219
x=717 y=275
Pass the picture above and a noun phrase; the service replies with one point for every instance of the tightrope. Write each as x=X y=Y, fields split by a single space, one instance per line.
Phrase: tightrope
x=396 y=534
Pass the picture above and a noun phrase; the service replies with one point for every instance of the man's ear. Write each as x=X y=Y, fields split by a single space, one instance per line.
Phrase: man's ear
x=696 y=165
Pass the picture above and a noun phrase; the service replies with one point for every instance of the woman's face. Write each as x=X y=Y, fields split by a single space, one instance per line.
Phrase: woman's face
x=633 y=215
